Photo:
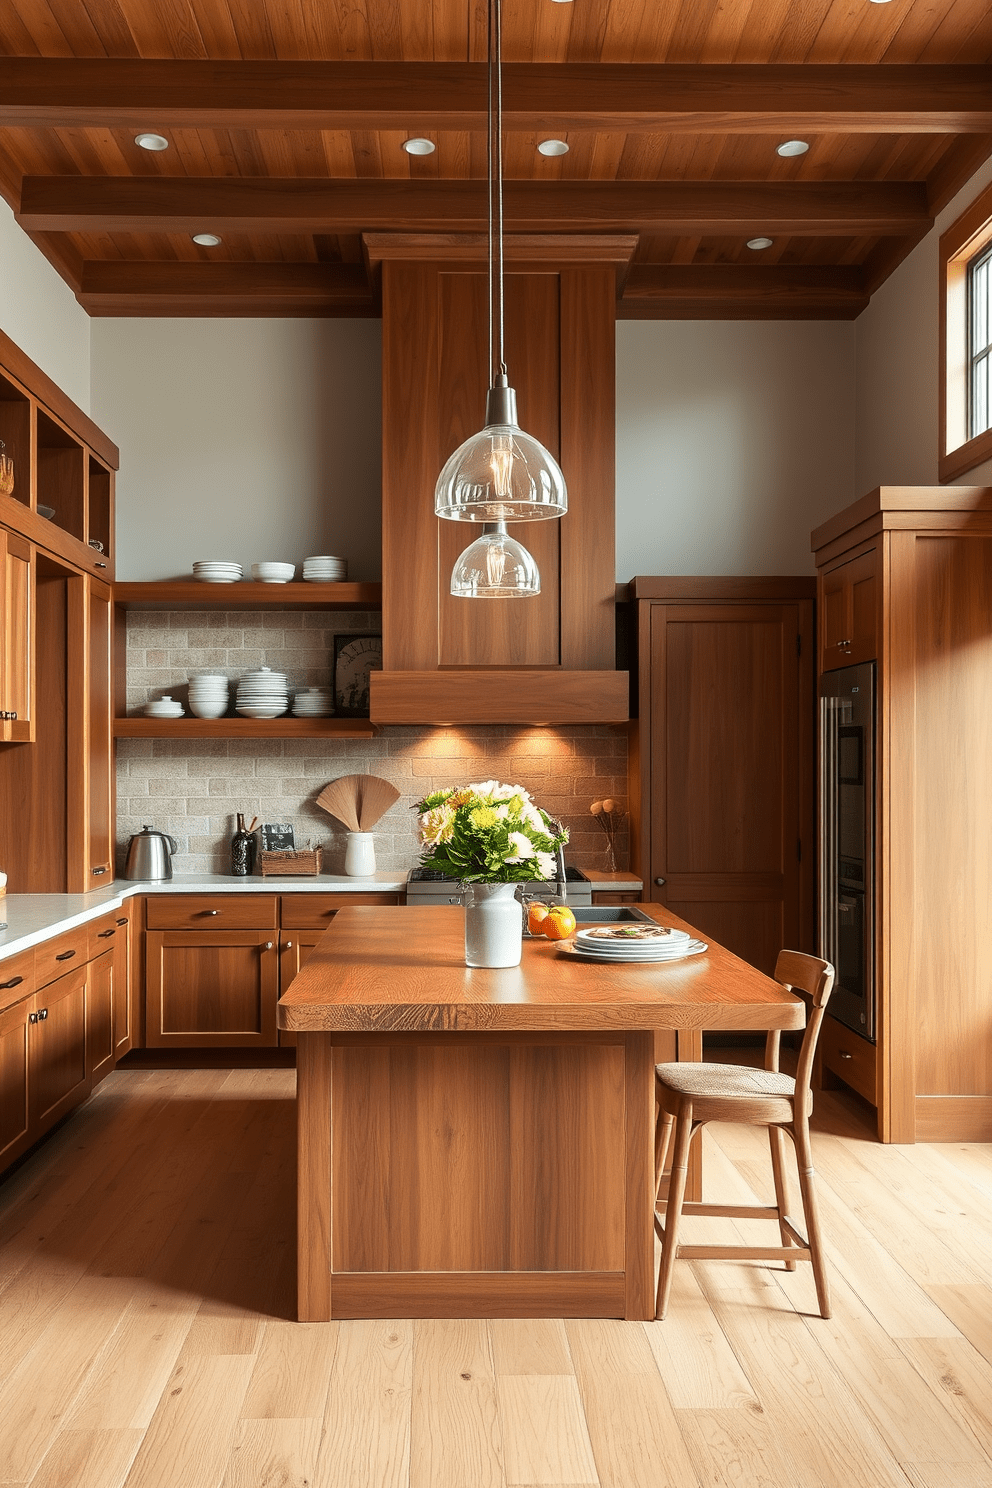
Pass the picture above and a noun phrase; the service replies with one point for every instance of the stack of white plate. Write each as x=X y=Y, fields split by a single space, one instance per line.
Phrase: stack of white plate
x=262 y=694
x=634 y=943
x=314 y=702
x=325 y=570
x=208 y=695
x=165 y=707
x=273 y=573
x=217 y=571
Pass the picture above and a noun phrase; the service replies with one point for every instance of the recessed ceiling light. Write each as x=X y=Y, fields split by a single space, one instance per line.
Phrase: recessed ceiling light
x=879 y=2
x=552 y=147
x=419 y=146
x=792 y=147
x=206 y=240
x=151 y=141
x=757 y=243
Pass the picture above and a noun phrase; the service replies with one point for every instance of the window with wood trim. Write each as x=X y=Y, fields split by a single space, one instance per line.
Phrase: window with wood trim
x=966 y=341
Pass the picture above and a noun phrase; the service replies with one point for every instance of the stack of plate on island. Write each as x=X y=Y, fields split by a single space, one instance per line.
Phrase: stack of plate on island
x=634 y=943
x=262 y=694
x=314 y=702
x=325 y=570
x=217 y=571
x=208 y=693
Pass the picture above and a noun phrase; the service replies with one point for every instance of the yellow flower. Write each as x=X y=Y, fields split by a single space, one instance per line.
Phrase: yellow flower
x=483 y=818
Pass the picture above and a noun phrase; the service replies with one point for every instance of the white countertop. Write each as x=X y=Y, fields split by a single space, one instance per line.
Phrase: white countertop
x=34 y=918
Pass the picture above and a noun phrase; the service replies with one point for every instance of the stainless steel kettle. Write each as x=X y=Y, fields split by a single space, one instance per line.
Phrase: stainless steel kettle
x=149 y=855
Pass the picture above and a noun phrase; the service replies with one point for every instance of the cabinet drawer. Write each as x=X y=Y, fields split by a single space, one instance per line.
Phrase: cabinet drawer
x=316 y=911
x=850 y=1057
x=211 y=912
x=103 y=934
x=17 y=978
x=55 y=957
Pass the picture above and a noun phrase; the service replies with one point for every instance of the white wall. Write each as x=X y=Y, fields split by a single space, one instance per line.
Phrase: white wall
x=898 y=367
x=40 y=313
x=734 y=439
x=243 y=439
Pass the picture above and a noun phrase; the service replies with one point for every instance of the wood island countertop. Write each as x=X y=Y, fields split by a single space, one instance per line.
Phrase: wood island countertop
x=394 y=970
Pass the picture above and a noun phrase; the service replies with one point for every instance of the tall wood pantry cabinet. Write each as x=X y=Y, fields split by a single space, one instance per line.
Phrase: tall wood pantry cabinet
x=905 y=580
x=722 y=757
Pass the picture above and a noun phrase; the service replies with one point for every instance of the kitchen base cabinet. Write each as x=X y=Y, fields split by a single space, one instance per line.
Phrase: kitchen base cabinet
x=15 y=1110
x=100 y=1055
x=294 y=950
x=57 y=1068
x=211 y=989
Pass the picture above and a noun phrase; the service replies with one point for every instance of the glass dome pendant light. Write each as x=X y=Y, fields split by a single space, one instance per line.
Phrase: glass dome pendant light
x=501 y=474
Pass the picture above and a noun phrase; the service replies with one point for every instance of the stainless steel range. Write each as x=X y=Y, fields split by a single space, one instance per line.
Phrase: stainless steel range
x=424 y=886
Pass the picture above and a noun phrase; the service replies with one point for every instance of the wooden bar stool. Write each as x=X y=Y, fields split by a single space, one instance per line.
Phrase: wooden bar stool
x=688 y=1096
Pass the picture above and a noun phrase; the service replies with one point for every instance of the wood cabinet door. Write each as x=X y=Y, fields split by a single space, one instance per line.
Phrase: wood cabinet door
x=730 y=773
x=90 y=814
x=15 y=1106
x=17 y=641
x=123 y=989
x=211 y=988
x=293 y=952
x=58 y=1077
x=849 y=595
x=100 y=1017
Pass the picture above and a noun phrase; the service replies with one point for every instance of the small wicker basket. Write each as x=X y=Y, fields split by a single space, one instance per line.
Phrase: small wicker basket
x=304 y=863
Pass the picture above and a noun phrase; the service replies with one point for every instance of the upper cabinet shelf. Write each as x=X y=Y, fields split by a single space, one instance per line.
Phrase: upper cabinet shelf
x=191 y=594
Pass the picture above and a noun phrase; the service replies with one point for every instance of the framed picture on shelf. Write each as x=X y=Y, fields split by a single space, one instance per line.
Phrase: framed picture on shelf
x=355 y=658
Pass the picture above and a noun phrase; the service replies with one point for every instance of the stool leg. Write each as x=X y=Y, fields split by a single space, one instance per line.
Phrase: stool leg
x=662 y=1135
x=776 y=1143
x=804 y=1153
x=673 y=1209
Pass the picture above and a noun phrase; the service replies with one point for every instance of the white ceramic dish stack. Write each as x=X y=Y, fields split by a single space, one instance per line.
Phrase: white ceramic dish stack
x=208 y=695
x=262 y=694
x=273 y=573
x=314 y=702
x=165 y=707
x=325 y=570
x=216 y=571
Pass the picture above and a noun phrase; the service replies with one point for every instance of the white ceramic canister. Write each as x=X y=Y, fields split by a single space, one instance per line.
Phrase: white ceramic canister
x=359 y=855
x=493 y=925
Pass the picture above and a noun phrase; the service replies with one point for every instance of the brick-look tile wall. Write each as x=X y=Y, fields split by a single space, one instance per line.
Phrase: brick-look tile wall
x=194 y=788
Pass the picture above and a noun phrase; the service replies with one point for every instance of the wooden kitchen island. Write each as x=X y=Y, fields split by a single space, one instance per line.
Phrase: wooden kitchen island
x=480 y=1143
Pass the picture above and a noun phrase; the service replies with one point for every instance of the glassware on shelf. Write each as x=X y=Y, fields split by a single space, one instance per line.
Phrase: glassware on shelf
x=6 y=472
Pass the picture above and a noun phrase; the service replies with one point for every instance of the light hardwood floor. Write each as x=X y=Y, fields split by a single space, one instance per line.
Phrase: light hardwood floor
x=146 y=1291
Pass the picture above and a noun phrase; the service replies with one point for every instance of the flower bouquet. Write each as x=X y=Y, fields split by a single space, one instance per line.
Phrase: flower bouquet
x=488 y=833
x=490 y=836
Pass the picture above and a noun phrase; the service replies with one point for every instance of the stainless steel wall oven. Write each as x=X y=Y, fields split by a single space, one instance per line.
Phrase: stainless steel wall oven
x=847 y=847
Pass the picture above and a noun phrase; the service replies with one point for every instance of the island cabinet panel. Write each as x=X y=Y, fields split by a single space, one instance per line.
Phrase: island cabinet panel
x=211 y=988
x=294 y=949
x=58 y=1074
x=724 y=768
x=15 y=1107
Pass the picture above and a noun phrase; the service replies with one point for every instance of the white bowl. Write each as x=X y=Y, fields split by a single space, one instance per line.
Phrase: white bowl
x=204 y=709
x=252 y=712
x=281 y=572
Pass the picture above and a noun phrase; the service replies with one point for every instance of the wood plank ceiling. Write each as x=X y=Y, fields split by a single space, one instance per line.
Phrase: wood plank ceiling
x=286 y=118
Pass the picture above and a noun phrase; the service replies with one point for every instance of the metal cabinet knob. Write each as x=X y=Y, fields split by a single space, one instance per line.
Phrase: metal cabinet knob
x=289 y=945
x=268 y=945
x=845 y=1055
x=97 y=871
x=660 y=882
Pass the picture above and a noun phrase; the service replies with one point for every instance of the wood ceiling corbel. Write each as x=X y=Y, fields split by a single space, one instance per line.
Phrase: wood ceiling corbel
x=96 y=92
x=264 y=204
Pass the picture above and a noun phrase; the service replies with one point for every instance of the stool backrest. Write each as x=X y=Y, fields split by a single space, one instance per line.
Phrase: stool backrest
x=802 y=973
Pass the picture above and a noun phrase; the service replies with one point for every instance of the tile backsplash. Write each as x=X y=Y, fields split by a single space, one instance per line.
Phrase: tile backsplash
x=194 y=788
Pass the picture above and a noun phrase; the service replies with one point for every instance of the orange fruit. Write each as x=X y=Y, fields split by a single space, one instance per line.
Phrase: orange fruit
x=559 y=922
x=537 y=913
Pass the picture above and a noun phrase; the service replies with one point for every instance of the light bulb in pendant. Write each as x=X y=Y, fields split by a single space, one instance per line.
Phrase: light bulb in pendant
x=501 y=465
x=495 y=566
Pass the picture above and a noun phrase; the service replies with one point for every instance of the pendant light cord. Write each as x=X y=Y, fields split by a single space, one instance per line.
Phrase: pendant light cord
x=497 y=359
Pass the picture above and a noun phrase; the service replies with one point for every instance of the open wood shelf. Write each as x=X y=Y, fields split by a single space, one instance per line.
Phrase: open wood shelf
x=192 y=594
x=243 y=728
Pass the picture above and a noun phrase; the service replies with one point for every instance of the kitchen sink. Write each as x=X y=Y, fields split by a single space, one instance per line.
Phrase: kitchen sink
x=608 y=914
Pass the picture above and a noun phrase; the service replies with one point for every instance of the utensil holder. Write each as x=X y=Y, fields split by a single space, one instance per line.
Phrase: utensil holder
x=359 y=857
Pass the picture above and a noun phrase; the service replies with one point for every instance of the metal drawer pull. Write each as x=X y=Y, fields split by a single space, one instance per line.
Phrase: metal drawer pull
x=844 y=1054
x=97 y=871
x=32 y=1017
x=65 y=956
x=101 y=565
x=14 y=982
x=39 y=1016
x=104 y=933
x=122 y=921
x=210 y=911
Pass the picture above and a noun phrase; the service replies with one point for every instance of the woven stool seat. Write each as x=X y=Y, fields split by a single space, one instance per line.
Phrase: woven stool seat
x=717 y=1080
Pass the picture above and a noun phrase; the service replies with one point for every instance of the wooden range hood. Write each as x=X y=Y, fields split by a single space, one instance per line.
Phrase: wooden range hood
x=545 y=660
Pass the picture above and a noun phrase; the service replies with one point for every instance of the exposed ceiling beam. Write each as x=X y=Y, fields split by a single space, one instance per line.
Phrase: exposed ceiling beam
x=743 y=292
x=751 y=98
x=653 y=291
x=186 y=204
x=115 y=287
